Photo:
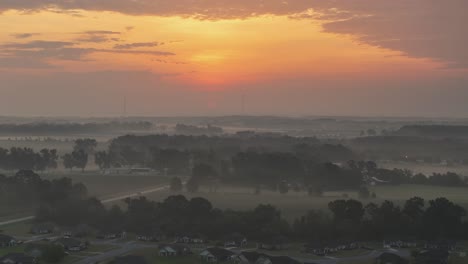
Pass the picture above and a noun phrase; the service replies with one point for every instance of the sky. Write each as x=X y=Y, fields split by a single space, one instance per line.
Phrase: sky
x=202 y=57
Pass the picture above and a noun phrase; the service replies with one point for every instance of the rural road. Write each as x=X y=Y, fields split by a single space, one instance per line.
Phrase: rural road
x=105 y=201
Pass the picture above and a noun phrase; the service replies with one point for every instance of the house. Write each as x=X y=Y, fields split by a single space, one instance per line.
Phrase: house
x=325 y=248
x=150 y=237
x=129 y=260
x=432 y=256
x=440 y=245
x=276 y=260
x=399 y=243
x=174 y=250
x=216 y=255
x=390 y=258
x=7 y=241
x=190 y=240
x=17 y=258
x=71 y=244
x=235 y=240
x=42 y=229
x=78 y=231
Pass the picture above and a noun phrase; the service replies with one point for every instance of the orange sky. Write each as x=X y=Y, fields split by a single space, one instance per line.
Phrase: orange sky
x=215 y=55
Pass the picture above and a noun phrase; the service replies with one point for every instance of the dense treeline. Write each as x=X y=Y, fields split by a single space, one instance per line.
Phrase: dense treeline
x=28 y=188
x=72 y=128
x=228 y=146
x=28 y=159
x=345 y=219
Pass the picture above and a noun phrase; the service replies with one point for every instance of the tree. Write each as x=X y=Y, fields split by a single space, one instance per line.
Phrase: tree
x=68 y=161
x=176 y=184
x=103 y=159
x=87 y=145
x=80 y=159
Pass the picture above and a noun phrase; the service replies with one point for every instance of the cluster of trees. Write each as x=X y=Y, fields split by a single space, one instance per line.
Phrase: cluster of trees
x=72 y=128
x=28 y=188
x=226 y=147
x=345 y=219
x=439 y=219
x=79 y=158
x=26 y=158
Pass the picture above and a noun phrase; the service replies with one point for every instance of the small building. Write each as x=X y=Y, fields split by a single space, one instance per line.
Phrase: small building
x=440 y=245
x=7 y=241
x=399 y=243
x=174 y=250
x=42 y=229
x=71 y=244
x=190 y=240
x=131 y=259
x=216 y=255
x=150 y=237
x=17 y=258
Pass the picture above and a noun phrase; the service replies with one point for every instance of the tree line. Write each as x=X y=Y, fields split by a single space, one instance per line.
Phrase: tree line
x=344 y=219
x=28 y=159
x=73 y=128
x=28 y=188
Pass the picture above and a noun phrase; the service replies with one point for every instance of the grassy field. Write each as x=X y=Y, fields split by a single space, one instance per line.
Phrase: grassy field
x=295 y=204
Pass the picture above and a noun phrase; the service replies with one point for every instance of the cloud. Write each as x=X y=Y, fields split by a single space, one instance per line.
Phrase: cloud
x=98 y=36
x=138 y=45
x=420 y=29
x=37 y=44
x=40 y=53
x=24 y=35
x=432 y=29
